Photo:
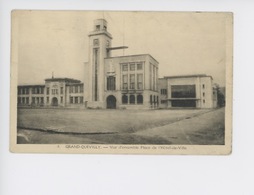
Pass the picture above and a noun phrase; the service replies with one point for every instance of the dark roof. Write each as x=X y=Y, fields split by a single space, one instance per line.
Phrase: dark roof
x=134 y=56
x=67 y=80
x=187 y=76
x=28 y=85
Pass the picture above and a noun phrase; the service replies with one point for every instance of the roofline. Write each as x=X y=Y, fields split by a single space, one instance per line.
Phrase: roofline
x=133 y=56
x=63 y=79
x=29 y=85
x=186 y=76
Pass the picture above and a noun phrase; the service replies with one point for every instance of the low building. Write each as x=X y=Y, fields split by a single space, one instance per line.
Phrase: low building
x=187 y=91
x=56 y=92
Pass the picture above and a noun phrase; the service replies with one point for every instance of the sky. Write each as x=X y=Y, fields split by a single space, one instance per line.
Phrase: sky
x=182 y=42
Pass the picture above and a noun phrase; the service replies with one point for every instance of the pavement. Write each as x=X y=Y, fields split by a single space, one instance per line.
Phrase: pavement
x=195 y=128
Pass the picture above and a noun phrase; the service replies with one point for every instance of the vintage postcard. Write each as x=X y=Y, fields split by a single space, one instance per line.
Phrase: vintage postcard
x=121 y=82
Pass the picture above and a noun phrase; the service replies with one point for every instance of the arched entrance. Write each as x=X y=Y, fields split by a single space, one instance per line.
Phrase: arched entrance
x=111 y=102
x=54 y=101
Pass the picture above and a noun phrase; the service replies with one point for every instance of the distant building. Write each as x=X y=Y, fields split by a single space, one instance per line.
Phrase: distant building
x=62 y=92
x=193 y=91
x=125 y=82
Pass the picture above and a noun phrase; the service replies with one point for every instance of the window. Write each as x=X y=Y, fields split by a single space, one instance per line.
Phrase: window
x=53 y=91
x=47 y=99
x=139 y=66
x=203 y=86
x=47 y=90
x=183 y=91
x=27 y=100
x=132 y=66
x=76 y=100
x=97 y=27
x=19 y=100
x=81 y=100
x=140 y=99
x=61 y=90
x=61 y=99
x=132 y=99
x=111 y=83
x=151 y=99
x=125 y=81
x=42 y=100
x=204 y=101
x=140 y=81
x=163 y=91
x=124 y=99
x=203 y=94
x=33 y=100
x=76 y=89
x=125 y=67
x=132 y=81
x=23 y=100
x=157 y=99
x=37 y=100
x=71 y=100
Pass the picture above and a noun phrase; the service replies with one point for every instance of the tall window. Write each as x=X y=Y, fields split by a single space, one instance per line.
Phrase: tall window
x=140 y=81
x=76 y=100
x=132 y=81
x=96 y=63
x=125 y=81
x=124 y=99
x=151 y=99
x=140 y=99
x=139 y=66
x=132 y=99
x=42 y=100
x=132 y=66
x=125 y=67
x=76 y=89
x=27 y=100
x=111 y=83
x=61 y=90
x=47 y=90
x=203 y=86
x=47 y=99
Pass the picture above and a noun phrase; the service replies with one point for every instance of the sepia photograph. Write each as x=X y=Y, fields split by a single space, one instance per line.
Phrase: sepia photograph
x=121 y=82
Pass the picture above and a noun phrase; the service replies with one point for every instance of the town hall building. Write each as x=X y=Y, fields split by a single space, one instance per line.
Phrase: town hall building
x=122 y=82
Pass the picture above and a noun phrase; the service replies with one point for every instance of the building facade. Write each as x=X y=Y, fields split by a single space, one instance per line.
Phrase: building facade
x=189 y=91
x=124 y=82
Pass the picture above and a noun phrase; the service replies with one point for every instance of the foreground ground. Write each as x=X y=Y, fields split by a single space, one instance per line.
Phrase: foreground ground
x=65 y=126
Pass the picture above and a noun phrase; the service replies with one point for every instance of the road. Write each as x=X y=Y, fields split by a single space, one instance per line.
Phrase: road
x=198 y=127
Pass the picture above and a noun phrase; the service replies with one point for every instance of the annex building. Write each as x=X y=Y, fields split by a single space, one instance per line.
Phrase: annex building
x=124 y=82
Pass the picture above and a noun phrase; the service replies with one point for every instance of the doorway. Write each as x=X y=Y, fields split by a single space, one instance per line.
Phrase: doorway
x=111 y=102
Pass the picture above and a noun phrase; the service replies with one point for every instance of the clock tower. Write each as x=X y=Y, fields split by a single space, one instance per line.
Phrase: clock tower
x=99 y=44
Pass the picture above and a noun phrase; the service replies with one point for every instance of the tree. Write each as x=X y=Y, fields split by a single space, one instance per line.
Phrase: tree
x=220 y=95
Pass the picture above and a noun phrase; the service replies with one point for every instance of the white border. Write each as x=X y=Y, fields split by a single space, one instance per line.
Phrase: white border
x=134 y=174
